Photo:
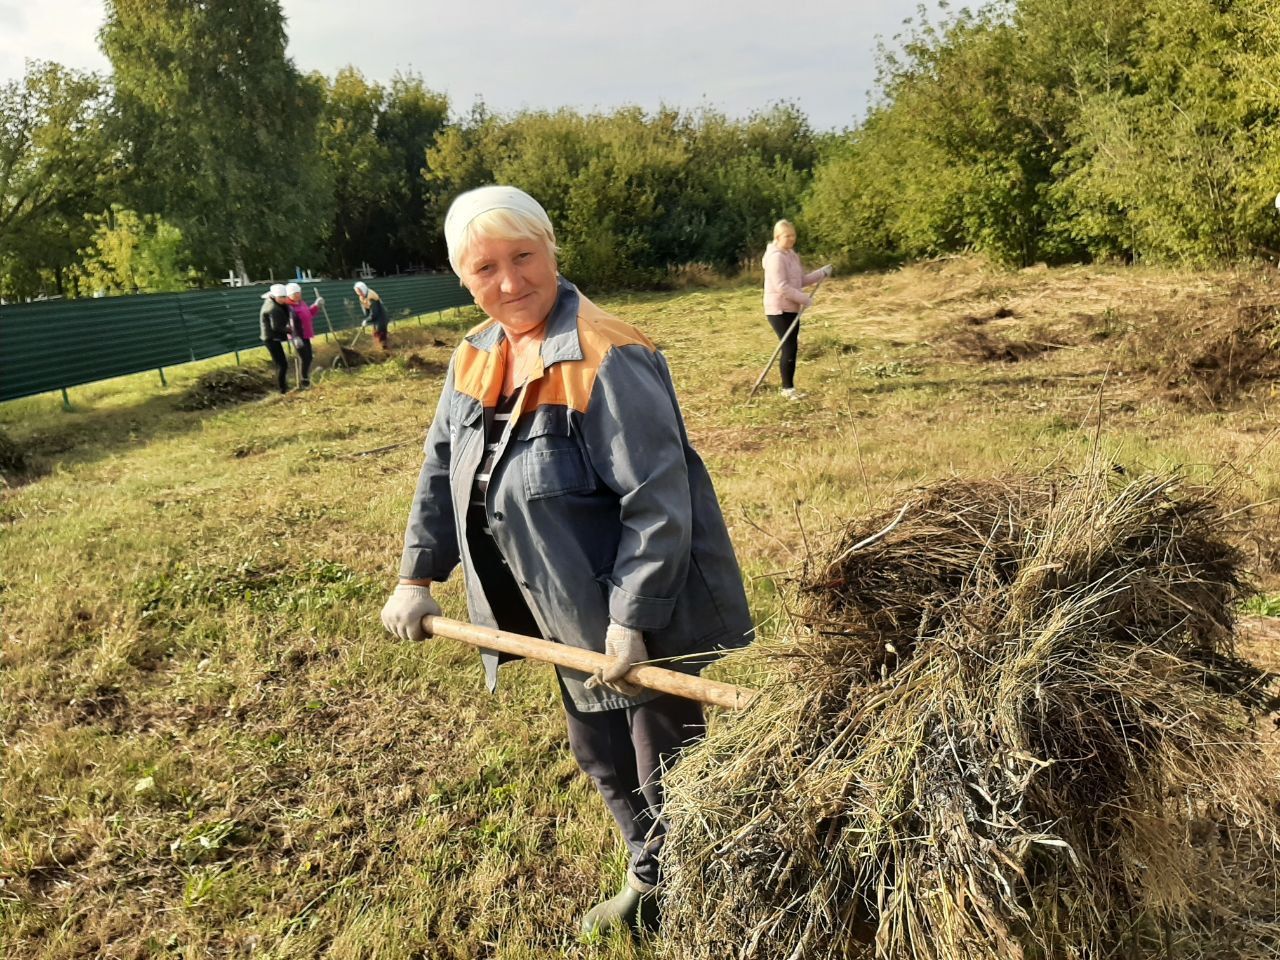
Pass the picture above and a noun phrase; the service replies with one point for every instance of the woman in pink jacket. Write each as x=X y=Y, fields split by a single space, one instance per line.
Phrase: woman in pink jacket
x=784 y=297
x=303 y=323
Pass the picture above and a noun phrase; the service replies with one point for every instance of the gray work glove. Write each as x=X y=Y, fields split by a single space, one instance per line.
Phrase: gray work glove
x=403 y=612
x=295 y=342
x=828 y=270
x=319 y=304
x=627 y=647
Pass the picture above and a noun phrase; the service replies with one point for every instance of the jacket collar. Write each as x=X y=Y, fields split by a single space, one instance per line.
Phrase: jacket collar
x=561 y=340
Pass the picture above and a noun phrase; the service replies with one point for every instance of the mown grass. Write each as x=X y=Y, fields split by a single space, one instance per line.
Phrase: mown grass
x=210 y=747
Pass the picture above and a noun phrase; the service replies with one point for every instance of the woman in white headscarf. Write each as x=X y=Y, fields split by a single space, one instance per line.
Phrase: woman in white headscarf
x=559 y=475
x=274 y=328
x=303 y=322
x=375 y=314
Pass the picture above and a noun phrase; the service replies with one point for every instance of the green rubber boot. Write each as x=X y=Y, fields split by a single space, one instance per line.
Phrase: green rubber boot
x=631 y=908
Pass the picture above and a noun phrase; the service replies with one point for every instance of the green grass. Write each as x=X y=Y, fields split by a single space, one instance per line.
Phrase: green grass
x=211 y=747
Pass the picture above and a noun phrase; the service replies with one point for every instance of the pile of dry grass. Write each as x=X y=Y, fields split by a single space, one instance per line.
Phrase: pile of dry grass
x=1212 y=353
x=1009 y=721
x=218 y=388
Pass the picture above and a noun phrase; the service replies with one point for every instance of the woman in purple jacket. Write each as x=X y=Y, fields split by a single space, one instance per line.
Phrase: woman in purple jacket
x=784 y=297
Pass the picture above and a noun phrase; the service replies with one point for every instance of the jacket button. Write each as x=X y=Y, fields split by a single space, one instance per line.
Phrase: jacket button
x=524 y=583
x=497 y=515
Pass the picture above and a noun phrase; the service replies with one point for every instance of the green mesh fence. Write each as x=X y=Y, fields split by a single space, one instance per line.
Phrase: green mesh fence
x=61 y=343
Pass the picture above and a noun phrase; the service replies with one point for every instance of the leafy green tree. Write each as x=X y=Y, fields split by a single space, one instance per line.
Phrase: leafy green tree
x=362 y=171
x=1041 y=130
x=631 y=193
x=413 y=117
x=221 y=129
x=56 y=163
x=374 y=143
x=129 y=253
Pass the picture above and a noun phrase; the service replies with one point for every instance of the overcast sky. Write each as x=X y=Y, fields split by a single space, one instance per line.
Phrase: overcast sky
x=733 y=55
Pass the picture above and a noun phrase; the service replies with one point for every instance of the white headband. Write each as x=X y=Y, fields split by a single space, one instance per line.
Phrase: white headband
x=471 y=204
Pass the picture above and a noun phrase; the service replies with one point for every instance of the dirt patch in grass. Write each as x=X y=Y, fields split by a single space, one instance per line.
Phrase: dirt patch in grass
x=13 y=459
x=988 y=347
x=1260 y=641
x=978 y=319
x=351 y=358
x=416 y=363
x=220 y=388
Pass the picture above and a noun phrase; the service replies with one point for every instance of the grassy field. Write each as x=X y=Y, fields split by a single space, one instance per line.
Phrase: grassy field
x=211 y=748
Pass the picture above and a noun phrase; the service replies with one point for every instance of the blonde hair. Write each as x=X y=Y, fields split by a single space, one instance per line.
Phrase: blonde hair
x=504 y=223
x=782 y=225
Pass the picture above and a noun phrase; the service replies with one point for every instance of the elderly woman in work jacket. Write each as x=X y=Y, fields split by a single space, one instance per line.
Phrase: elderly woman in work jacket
x=559 y=473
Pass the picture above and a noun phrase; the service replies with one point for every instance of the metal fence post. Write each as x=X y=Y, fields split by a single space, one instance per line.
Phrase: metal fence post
x=182 y=321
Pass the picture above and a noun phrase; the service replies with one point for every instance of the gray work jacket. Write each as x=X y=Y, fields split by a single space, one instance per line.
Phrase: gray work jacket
x=597 y=502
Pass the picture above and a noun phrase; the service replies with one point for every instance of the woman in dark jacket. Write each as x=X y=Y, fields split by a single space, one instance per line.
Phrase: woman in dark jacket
x=375 y=314
x=559 y=474
x=273 y=330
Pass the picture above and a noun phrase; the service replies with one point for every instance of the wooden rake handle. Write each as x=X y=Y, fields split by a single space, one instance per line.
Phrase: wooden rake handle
x=587 y=661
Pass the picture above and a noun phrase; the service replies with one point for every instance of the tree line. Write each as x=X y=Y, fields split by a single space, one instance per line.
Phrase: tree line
x=1027 y=130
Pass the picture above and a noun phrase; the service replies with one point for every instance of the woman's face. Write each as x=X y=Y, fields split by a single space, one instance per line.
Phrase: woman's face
x=785 y=239
x=513 y=281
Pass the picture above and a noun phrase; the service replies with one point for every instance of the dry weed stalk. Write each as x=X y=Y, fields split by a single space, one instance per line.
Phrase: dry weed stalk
x=1012 y=726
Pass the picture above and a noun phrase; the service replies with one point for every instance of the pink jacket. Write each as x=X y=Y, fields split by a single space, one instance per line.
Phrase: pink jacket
x=303 y=316
x=784 y=280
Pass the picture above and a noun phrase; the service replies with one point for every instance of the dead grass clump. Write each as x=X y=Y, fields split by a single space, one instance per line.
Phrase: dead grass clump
x=1212 y=354
x=1009 y=721
x=977 y=344
x=218 y=388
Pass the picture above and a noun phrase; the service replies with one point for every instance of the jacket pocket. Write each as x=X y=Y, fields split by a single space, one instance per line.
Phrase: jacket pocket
x=553 y=463
x=467 y=424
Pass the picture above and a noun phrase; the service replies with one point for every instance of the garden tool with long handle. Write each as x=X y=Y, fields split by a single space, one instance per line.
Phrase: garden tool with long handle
x=778 y=349
x=324 y=308
x=588 y=661
x=341 y=357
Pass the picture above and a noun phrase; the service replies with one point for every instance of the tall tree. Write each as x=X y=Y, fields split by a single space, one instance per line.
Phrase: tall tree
x=220 y=126
x=411 y=120
x=361 y=169
x=55 y=166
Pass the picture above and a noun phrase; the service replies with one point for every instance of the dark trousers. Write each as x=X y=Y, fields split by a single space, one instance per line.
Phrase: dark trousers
x=305 y=354
x=276 y=349
x=624 y=752
x=380 y=335
x=787 y=361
